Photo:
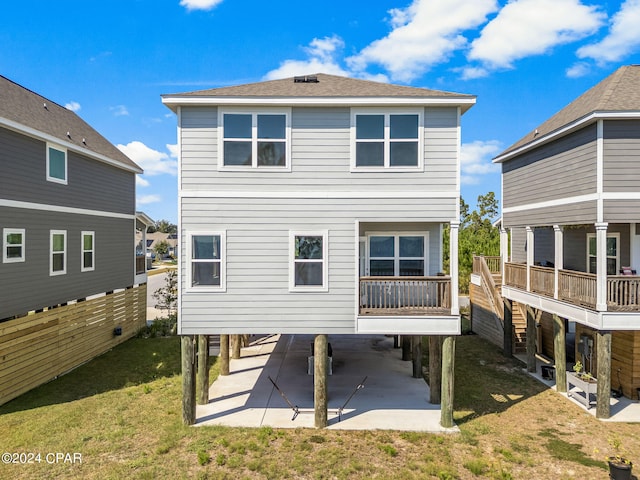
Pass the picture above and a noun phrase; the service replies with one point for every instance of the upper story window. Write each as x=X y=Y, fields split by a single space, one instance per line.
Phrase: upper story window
x=255 y=139
x=308 y=262
x=613 y=254
x=206 y=265
x=13 y=245
x=56 y=164
x=387 y=140
x=398 y=255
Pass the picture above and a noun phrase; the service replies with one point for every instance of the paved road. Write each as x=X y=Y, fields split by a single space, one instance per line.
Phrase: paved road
x=154 y=282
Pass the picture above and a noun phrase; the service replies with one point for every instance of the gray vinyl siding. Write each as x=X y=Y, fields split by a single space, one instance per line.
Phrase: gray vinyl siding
x=622 y=210
x=561 y=169
x=622 y=156
x=518 y=245
x=544 y=246
x=257 y=297
x=28 y=286
x=573 y=213
x=90 y=184
x=320 y=155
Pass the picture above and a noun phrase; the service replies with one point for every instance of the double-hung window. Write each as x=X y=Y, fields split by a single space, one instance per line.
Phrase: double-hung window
x=387 y=140
x=613 y=256
x=87 y=260
x=207 y=261
x=398 y=255
x=255 y=139
x=308 y=266
x=58 y=252
x=56 y=164
x=13 y=249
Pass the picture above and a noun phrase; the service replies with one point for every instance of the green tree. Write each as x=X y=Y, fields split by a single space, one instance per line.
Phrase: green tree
x=161 y=248
x=163 y=226
x=477 y=236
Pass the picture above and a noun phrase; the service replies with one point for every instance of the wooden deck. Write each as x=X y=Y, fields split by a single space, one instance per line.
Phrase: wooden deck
x=405 y=296
x=576 y=288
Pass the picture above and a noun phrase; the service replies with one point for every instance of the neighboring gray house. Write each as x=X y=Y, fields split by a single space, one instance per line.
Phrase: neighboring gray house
x=571 y=204
x=67 y=209
x=317 y=204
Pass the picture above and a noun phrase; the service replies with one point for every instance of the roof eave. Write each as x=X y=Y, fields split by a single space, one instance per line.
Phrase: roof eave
x=566 y=129
x=174 y=101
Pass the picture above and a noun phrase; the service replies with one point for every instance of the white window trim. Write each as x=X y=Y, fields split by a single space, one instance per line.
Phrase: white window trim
x=11 y=231
x=387 y=112
x=83 y=251
x=254 y=112
x=325 y=261
x=615 y=235
x=396 y=259
x=51 y=252
x=223 y=263
x=66 y=164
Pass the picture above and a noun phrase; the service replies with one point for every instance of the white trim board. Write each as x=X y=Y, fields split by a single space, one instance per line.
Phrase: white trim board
x=315 y=195
x=61 y=209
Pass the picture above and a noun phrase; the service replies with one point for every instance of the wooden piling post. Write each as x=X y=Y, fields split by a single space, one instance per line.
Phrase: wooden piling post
x=406 y=348
x=224 y=355
x=203 y=370
x=435 y=368
x=448 y=365
x=603 y=397
x=188 y=380
x=320 y=390
x=531 y=340
x=235 y=348
x=508 y=329
x=416 y=353
x=560 y=353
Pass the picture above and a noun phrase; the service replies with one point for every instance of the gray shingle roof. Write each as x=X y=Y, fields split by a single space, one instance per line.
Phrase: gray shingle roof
x=327 y=86
x=619 y=92
x=21 y=106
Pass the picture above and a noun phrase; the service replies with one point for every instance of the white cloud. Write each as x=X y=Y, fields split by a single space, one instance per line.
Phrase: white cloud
x=532 y=27
x=578 y=69
x=173 y=150
x=199 y=4
x=623 y=37
x=119 y=110
x=147 y=199
x=424 y=34
x=152 y=161
x=142 y=182
x=73 y=106
x=322 y=54
x=475 y=160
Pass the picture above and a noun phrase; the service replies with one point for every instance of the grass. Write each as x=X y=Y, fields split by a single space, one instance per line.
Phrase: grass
x=122 y=414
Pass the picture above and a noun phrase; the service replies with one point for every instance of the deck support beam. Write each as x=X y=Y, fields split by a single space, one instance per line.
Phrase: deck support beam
x=531 y=340
x=448 y=364
x=435 y=369
x=507 y=343
x=416 y=353
x=224 y=355
x=236 y=346
x=560 y=353
x=603 y=397
x=320 y=390
x=203 y=370
x=188 y=380
x=406 y=348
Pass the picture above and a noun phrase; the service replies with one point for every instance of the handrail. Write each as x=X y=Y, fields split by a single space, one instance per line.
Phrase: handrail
x=487 y=279
x=407 y=294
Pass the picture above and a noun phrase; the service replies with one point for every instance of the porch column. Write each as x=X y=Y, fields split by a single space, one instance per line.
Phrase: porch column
x=507 y=342
x=453 y=266
x=203 y=369
x=529 y=256
x=320 y=391
x=224 y=355
x=558 y=259
x=504 y=250
x=531 y=339
x=603 y=400
x=601 y=274
x=416 y=354
x=435 y=368
x=560 y=353
x=448 y=364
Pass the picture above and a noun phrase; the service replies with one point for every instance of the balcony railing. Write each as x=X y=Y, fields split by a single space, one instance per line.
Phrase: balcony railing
x=493 y=263
x=141 y=261
x=405 y=295
x=577 y=288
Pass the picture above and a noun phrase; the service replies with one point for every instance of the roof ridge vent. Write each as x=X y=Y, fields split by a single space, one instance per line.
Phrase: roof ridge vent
x=306 y=79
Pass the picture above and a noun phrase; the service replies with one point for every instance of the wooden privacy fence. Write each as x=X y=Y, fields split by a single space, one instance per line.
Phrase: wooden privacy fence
x=40 y=346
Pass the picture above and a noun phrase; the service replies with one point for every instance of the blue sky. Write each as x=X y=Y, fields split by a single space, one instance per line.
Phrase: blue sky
x=111 y=61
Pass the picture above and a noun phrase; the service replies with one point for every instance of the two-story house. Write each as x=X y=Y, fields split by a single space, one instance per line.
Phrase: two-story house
x=571 y=239
x=68 y=224
x=317 y=204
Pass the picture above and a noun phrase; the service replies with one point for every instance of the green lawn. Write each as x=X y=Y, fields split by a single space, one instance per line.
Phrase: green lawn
x=121 y=415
